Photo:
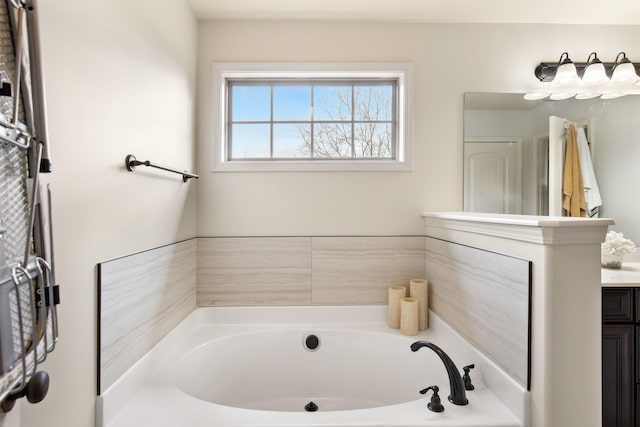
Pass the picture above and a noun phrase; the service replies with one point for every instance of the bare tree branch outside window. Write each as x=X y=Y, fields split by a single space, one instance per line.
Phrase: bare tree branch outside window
x=355 y=125
x=345 y=121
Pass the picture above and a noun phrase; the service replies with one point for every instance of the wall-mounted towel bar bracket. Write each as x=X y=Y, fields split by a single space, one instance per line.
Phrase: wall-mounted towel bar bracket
x=131 y=163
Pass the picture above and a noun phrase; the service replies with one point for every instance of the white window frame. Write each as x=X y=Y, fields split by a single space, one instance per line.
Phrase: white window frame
x=403 y=72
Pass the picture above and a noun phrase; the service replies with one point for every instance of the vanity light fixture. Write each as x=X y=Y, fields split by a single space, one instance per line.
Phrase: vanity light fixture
x=623 y=70
x=566 y=72
x=609 y=79
x=594 y=71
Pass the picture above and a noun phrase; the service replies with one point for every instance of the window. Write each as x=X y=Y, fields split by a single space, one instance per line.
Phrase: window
x=312 y=117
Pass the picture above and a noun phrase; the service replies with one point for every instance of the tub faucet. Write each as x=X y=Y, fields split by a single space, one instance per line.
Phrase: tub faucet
x=458 y=395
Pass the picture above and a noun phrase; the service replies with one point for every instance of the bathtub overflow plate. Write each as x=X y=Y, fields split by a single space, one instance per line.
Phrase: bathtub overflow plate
x=312 y=342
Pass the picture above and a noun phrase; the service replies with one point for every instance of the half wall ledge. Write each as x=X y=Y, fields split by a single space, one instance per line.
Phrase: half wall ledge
x=565 y=342
x=544 y=230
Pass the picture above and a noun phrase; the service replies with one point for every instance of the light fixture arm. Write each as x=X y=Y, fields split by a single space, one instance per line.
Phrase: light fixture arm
x=565 y=61
x=593 y=59
x=620 y=61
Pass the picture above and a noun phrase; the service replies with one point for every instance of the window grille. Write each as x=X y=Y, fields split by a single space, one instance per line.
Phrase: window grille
x=312 y=120
x=312 y=116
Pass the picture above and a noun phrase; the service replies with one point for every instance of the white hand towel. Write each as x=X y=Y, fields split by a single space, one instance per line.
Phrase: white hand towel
x=591 y=190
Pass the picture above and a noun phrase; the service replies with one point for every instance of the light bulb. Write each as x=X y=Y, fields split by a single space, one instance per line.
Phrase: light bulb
x=566 y=74
x=623 y=70
x=595 y=74
x=624 y=73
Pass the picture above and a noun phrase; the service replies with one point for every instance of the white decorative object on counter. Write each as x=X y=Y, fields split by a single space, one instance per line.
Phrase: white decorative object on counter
x=613 y=249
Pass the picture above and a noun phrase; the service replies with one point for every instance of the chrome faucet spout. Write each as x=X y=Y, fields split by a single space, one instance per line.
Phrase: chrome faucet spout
x=458 y=395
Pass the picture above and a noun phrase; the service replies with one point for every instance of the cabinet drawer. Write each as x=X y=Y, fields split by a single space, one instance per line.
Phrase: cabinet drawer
x=637 y=304
x=618 y=385
x=637 y=404
x=637 y=359
x=617 y=304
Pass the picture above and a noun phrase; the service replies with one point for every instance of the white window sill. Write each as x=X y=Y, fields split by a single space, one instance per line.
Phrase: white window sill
x=313 y=165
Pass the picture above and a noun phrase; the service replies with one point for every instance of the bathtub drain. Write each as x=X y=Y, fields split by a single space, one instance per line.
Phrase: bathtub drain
x=311 y=407
x=312 y=342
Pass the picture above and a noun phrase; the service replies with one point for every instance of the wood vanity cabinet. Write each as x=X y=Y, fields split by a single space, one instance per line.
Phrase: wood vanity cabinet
x=620 y=357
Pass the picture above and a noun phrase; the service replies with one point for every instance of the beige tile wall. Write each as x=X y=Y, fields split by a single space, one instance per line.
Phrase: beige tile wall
x=358 y=270
x=142 y=297
x=304 y=270
x=246 y=271
x=485 y=297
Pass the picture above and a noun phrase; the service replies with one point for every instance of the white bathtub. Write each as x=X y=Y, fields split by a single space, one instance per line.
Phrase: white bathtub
x=250 y=367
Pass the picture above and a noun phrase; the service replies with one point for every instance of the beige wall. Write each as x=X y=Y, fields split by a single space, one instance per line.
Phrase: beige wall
x=448 y=59
x=120 y=78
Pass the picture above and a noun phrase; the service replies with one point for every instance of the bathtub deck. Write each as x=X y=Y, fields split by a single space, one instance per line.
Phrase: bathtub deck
x=147 y=394
x=164 y=407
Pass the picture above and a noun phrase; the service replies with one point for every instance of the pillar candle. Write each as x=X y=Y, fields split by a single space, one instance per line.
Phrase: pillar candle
x=418 y=290
x=409 y=316
x=396 y=293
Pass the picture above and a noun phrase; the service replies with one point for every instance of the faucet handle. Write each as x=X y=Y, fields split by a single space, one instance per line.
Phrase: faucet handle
x=466 y=378
x=435 y=405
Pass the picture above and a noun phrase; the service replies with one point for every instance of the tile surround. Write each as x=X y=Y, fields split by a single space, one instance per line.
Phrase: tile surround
x=358 y=270
x=485 y=297
x=142 y=297
x=248 y=271
x=145 y=295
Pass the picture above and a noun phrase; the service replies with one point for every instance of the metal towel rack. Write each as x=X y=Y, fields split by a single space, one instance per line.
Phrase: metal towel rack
x=29 y=294
x=131 y=163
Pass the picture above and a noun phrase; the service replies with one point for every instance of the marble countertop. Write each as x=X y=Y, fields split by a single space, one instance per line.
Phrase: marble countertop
x=628 y=275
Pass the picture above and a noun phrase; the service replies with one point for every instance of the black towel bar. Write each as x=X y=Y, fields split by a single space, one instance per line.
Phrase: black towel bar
x=131 y=163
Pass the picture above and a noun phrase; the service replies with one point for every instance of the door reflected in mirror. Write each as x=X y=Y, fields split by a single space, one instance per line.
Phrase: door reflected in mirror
x=514 y=154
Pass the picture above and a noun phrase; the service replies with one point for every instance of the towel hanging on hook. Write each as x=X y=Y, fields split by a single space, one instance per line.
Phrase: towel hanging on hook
x=572 y=186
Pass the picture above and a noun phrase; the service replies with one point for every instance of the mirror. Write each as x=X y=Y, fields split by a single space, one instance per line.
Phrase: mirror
x=526 y=158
